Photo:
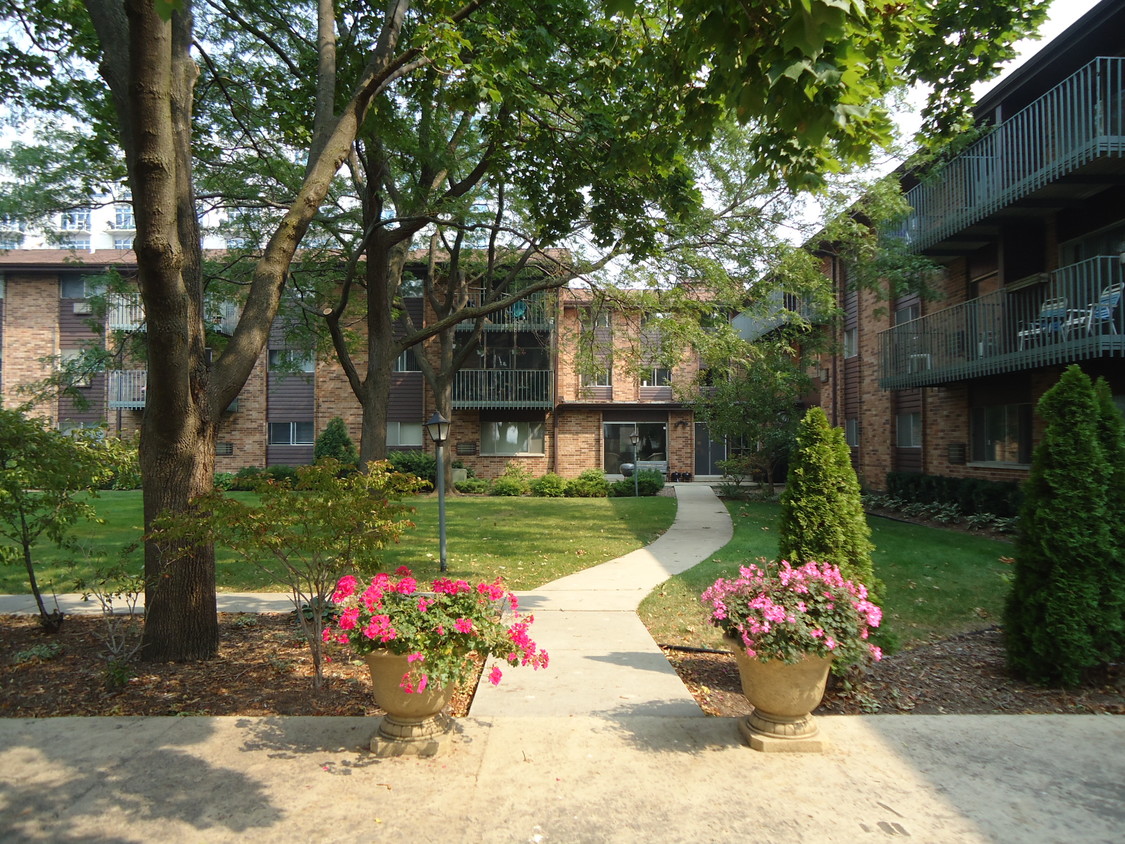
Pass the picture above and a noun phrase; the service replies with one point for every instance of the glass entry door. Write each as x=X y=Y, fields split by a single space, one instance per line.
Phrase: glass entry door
x=651 y=445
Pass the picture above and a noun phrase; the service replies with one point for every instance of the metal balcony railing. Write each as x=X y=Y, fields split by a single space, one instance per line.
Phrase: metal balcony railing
x=1077 y=121
x=1076 y=313
x=534 y=312
x=126 y=388
x=502 y=388
x=124 y=313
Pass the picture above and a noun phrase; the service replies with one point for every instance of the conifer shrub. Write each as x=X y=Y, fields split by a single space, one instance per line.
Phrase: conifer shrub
x=1057 y=623
x=335 y=443
x=549 y=485
x=822 y=516
x=590 y=484
x=1111 y=432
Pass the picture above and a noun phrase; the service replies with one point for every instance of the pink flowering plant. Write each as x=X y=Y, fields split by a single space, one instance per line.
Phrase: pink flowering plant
x=778 y=611
x=439 y=628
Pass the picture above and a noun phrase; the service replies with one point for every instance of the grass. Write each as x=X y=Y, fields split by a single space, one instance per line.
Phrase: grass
x=527 y=541
x=938 y=582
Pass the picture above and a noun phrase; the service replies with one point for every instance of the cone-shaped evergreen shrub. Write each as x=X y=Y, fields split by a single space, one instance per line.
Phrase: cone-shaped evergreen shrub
x=1055 y=622
x=822 y=516
x=334 y=442
x=1111 y=433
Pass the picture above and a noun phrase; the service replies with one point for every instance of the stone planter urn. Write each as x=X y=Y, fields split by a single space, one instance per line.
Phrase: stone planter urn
x=783 y=697
x=415 y=723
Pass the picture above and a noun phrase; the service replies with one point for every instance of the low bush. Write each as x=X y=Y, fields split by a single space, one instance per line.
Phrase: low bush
x=417 y=463
x=516 y=480
x=648 y=482
x=590 y=484
x=549 y=486
x=971 y=495
x=472 y=486
x=281 y=474
x=224 y=480
x=246 y=478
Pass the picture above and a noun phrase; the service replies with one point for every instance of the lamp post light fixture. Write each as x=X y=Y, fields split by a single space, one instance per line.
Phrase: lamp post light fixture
x=438 y=429
x=635 y=438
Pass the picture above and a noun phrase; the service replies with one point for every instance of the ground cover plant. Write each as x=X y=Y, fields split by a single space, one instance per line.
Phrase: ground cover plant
x=528 y=541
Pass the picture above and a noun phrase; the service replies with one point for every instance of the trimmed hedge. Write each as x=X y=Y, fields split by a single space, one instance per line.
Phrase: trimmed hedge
x=973 y=495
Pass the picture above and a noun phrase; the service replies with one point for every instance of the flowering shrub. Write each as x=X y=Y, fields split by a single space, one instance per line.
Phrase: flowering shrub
x=438 y=629
x=781 y=612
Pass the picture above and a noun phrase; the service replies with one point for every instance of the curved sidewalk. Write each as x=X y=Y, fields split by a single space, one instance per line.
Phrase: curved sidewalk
x=602 y=658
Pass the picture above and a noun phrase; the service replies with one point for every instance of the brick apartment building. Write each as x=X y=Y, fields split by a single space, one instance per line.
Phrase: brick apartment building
x=1028 y=225
x=523 y=399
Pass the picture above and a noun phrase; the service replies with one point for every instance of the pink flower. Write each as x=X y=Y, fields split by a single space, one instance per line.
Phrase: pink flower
x=403 y=571
x=494 y=675
x=345 y=588
x=876 y=652
x=406 y=586
x=415 y=657
x=463 y=625
x=349 y=618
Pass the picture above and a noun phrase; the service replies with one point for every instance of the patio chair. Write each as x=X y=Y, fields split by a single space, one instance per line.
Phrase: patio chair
x=1100 y=314
x=1050 y=322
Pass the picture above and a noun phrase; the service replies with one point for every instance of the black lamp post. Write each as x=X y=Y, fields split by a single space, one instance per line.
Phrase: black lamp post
x=438 y=429
x=634 y=438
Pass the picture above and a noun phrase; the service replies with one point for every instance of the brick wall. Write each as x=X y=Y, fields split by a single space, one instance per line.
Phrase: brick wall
x=31 y=332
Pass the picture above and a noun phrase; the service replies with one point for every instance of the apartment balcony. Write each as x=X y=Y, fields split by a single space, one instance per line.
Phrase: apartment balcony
x=528 y=388
x=1064 y=145
x=531 y=314
x=1075 y=313
x=124 y=313
x=126 y=388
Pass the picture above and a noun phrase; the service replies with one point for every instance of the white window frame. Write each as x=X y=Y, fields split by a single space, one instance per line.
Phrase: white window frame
x=123 y=217
x=601 y=378
x=296 y=359
x=654 y=377
x=404 y=434
x=851 y=342
x=407 y=362
x=295 y=433
x=124 y=243
x=851 y=432
x=75 y=220
x=527 y=435
x=908 y=430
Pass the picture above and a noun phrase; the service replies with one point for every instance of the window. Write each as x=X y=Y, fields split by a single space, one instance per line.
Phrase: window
x=291 y=360
x=291 y=433
x=1002 y=433
x=10 y=241
x=851 y=432
x=406 y=362
x=507 y=438
x=123 y=243
x=652 y=443
x=601 y=378
x=404 y=434
x=592 y=319
x=908 y=427
x=8 y=223
x=907 y=313
x=79 y=244
x=658 y=376
x=74 y=363
x=78 y=287
x=76 y=220
x=123 y=217
x=851 y=342
x=224 y=449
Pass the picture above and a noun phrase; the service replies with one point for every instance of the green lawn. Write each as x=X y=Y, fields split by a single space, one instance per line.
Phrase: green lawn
x=938 y=582
x=528 y=541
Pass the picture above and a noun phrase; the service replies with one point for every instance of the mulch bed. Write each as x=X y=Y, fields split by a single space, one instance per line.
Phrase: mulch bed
x=964 y=674
x=263 y=668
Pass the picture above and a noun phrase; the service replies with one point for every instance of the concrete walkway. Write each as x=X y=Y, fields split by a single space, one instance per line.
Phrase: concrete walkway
x=602 y=658
x=602 y=747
